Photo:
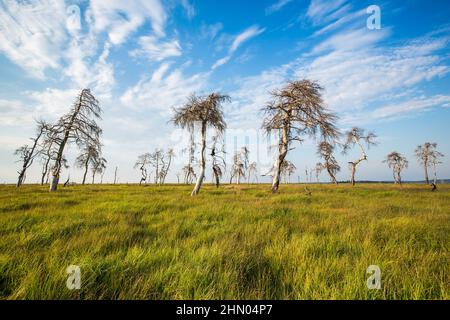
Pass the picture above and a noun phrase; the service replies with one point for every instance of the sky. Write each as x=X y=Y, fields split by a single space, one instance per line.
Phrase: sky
x=142 y=58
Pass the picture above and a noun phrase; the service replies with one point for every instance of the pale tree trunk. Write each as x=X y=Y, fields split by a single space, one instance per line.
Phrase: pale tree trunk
x=353 y=172
x=115 y=176
x=201 y=177
x=283 y=149
x=45 y=171
x=426 y=172
x=86 y=167
x=435 y=173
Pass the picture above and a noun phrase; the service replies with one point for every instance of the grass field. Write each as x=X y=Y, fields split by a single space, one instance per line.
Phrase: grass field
x=236 y=242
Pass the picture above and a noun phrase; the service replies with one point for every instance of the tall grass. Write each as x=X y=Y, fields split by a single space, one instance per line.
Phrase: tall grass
x=236 y=242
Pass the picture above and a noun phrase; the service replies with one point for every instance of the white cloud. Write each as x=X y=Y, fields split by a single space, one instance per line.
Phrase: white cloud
x=156 y=50
x=32 y=33
x=119 y=18
x=323 y=11
x=240 y=39
x=163 y=90
x=277 y=6
x=249 y=33
x=189 y=8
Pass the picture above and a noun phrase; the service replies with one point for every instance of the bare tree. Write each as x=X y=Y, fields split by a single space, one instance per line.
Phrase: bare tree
x=27 y=154
x=218 y=157
x=287 y=170
x=98 y=166
x=46 y=154
x=397 y=163
x=142 y=162
x=207 y=112
x=170 y=154
x=296 y=110
x=252 y=171
x=79 y=126
x=88 y=157
x=357 y=136
x=238 y=168
x=325 y=151
x=157 y=162
x=428 y=156
x=189 y=174
x=318 y=170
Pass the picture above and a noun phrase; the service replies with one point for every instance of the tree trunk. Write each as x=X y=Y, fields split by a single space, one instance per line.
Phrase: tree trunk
x=282 y=152
x=86 y=167
x=353 y=172
x=115 y=176
x=427 y=180
x=45 y=171
x=200 y=178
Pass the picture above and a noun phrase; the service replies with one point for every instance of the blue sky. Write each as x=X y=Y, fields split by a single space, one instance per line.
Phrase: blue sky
x=143 y=57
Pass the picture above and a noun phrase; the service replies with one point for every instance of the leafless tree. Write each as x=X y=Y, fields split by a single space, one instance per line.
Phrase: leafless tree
x=142 y=162
x=252 y=171
x=98 y=166
x=325 y=151
x=166 y=163
x=428 y=156
x=157 y=162
x=207 y=112
x=88 y=157
x=189 y=174
x=47 y=153
x=27 y=154
x=318 y=170
x=297 y=110
x=77 y=125
x=218 y=157
x=357 y=136
x=238 y=168
x=287 y=170
x=397 y=163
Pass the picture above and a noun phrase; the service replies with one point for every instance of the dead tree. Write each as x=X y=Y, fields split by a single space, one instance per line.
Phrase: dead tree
x=79 y=126
x=325 y=151
x=46 y=154
x=287 y=170
x=27 y=154
x=142 y=162
x=428 y=156
x=357 y=136
x=170 y=154
x=218 y=157
x=297 y=110
x=207 y=112
x=98 y=166
x=318 y=170
x=397 y=163
x=252 y=171
x=238 y=168
x=87 y=158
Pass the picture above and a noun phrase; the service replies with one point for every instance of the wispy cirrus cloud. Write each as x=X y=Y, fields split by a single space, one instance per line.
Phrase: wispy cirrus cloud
x=33 y=34
x=240 y=39
x=277 y=6
x=156 y=49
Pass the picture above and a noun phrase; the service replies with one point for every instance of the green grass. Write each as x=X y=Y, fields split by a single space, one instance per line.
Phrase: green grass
x=236 y=242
